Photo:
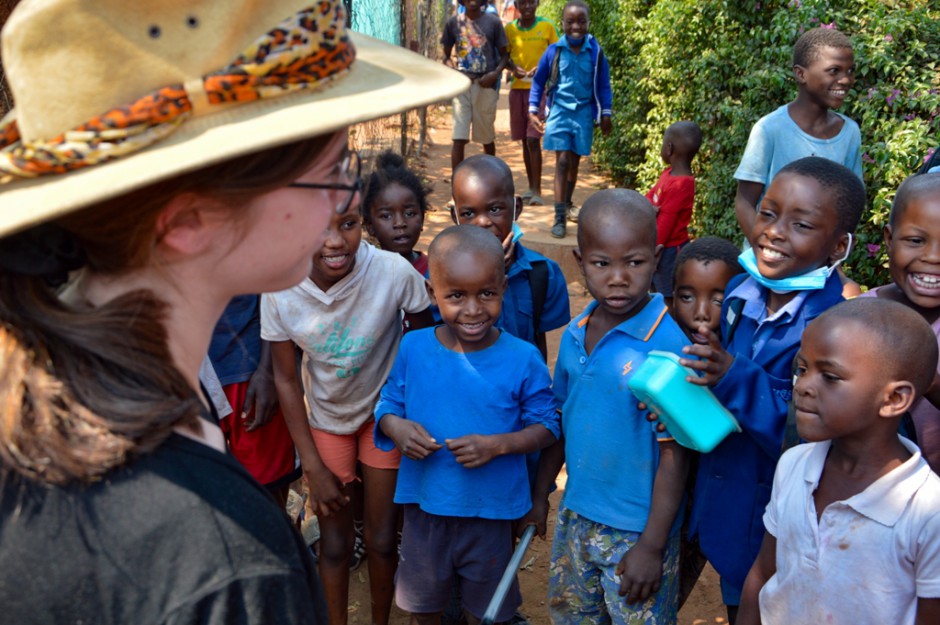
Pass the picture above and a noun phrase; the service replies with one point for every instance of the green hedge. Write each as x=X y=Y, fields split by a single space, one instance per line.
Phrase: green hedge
x=726 y=63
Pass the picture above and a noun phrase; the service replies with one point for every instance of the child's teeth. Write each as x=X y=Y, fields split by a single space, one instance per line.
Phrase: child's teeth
x=772 y=254
x=926 y=279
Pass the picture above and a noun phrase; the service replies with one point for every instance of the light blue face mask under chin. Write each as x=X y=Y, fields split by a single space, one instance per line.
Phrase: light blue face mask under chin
x=574 y=43
x=809 y=281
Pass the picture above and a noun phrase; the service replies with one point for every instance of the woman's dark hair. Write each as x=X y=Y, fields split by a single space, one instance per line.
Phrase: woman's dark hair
x=390 y=169
x=83 y=388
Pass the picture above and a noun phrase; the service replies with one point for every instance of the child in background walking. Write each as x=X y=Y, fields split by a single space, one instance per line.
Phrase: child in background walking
x=912 y=237
x=463 y=479
x=346 y=318
x=393 y=210
x=673 y=196
x=528 y=37
x=574 y=78
x=824 y=69
x=481 y=54
x=806 y=219
x=853 y=524
x=536 y=296
x=615 y=554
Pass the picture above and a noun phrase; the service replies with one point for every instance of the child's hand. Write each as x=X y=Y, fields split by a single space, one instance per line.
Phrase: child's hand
x=606 y=125
x=537 y=516
x=641 y=573
x=651 y=416
x=714 y=363
x=537 y=123
x=411 y=438
x=474 y=450
x=260 y=400
x=489 y=79
x=326 y=493
x=520 y=73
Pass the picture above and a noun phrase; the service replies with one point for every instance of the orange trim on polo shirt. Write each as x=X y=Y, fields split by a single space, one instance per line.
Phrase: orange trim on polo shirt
x=656 y=325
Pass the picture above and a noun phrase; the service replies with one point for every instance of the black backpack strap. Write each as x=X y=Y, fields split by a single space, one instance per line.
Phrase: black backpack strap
x=538 y=284
x=736 y=306
x=552 y=81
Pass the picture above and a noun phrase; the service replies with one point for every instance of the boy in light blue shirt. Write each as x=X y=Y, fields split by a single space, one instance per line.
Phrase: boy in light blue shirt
x=615 y=554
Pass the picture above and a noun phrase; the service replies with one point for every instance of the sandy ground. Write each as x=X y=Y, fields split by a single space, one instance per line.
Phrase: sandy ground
x=704 y=605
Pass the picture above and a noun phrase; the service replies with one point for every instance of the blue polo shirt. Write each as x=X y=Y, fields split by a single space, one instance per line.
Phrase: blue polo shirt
x=611 y=450
x=516 y=315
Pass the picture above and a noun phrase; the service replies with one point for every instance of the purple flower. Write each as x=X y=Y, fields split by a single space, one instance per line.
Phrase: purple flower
x=908 y=117
x=929 y=154
x=867 y=158
x=888 y=37
x=872 y=92
x=891 y=98
x=873 y=249
x=831 y=25
x=814 y=20
x=795 y=3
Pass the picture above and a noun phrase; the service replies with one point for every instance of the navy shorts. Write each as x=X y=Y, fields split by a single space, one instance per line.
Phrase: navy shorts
x=437 y=550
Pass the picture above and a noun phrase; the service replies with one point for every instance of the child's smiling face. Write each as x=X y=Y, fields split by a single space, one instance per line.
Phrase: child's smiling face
x=575 y=21
x=336 y=256
x=527 y=9
x=482 y=199
x=829 y=78
x=913 y=245
x=797 y=227
x=467 y=287
x=698 y=293
x=395 y=219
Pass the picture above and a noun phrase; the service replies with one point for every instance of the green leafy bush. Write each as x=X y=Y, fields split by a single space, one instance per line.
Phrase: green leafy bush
x=726 y=63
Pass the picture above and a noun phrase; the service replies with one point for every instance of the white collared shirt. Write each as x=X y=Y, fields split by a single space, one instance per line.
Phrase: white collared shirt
x=867 y=559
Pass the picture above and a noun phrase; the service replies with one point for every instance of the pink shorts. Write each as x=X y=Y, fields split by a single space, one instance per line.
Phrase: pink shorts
x=339 y=452
x=519 y=125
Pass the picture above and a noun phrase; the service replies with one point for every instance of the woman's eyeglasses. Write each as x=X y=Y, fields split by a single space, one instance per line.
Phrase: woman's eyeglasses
x=350 y=172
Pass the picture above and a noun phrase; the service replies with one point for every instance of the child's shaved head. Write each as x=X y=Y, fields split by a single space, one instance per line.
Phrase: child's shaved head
x=914 y=187
x=485 y=165
x=616 y=204
x=901 y=341
x=464 y=239
x=686 y=136
x=807 y=47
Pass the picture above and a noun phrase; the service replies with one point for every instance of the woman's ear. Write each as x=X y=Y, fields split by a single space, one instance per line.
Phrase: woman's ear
x=188 y=224
x=898 y=398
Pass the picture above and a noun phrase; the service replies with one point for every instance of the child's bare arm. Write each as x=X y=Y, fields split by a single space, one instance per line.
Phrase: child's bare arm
x=745 y=204
x=423 y=319
x=550 y=463
x=409 y=436
x=763 y=569
x=448 y=59
x=489 y=79
x=928 y=611
x=325 y=489
x=475 y=450
x=713 y=361
x=641 y=568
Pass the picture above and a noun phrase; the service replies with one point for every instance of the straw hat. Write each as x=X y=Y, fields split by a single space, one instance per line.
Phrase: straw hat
x=115 y=94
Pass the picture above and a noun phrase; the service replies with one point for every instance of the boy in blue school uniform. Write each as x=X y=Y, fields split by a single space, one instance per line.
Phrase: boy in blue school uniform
x=536 y=297
x=802 y=232
x=463 y=478
x=615 y=554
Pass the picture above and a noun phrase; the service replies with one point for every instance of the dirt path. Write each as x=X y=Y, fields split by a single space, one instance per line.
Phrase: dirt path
x=704 y=605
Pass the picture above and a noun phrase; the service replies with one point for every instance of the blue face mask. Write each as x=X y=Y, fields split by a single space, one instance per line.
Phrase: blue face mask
x=809 y=281
x=516 y=232
x=574 y=43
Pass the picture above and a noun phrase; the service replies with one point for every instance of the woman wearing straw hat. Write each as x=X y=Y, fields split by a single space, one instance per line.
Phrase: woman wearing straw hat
x=166 y=155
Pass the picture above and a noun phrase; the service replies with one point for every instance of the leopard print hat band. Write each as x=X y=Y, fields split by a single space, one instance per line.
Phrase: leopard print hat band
x=303 y=52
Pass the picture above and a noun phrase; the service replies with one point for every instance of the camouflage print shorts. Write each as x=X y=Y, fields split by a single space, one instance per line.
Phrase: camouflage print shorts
x=582 y=586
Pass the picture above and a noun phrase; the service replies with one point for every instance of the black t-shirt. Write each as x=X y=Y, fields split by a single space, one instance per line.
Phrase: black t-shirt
x=181 y=535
